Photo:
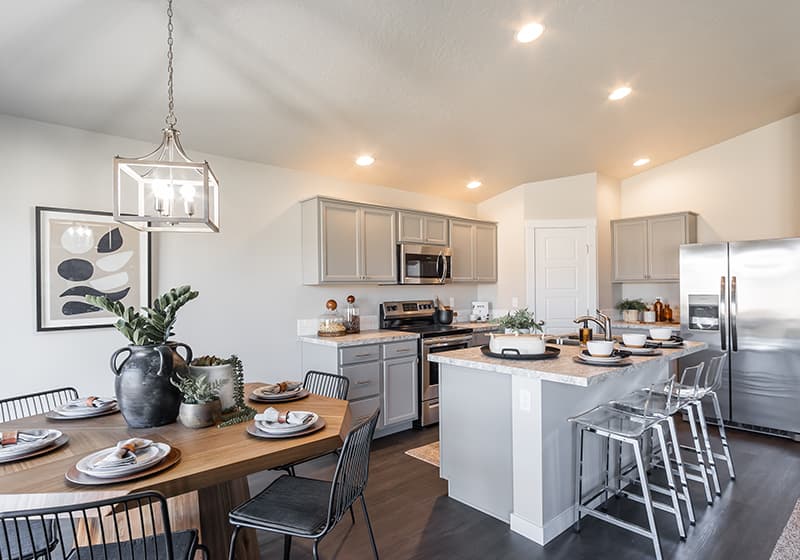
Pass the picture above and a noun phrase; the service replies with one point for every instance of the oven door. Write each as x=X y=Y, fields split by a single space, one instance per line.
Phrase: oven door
x=429 y=385
x=423 y=264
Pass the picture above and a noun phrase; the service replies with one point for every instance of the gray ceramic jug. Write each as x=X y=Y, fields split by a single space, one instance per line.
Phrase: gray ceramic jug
x=144 y=393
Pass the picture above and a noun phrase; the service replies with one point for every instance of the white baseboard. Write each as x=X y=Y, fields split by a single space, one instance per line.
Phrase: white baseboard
x=543 y=535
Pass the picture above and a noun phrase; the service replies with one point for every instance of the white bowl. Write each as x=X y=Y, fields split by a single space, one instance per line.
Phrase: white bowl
x=634 y=340
x=663 y=333
x=524 y=343
x=600 y=347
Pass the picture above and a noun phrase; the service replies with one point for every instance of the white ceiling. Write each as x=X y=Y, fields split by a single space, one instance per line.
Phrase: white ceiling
x=437 y=90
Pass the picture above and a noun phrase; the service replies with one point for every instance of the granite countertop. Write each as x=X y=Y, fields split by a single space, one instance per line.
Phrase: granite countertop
x=640 y=325
x=364 y=337
x=562 y=369
x=479 y=326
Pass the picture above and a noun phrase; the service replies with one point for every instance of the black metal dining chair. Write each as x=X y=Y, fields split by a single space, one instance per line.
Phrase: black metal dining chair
x=295 y=506
x=13 y=408
x=99 y=530
x=327 y=385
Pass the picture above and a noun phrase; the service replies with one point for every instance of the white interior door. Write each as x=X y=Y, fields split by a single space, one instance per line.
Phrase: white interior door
x=563 y=258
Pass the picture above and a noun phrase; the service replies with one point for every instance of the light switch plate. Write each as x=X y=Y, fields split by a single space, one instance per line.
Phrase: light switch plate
x=525 y=400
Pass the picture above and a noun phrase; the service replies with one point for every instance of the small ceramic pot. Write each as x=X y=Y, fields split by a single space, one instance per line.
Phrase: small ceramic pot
x=200 y=415
x=630 y=315
x=649 y=316
x=224 y=373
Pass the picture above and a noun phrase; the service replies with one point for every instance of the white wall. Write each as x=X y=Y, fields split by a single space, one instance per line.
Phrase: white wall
x=249 y=275
x=747 y=187
x=561 y=199
x=608 y=208
x=508 y=209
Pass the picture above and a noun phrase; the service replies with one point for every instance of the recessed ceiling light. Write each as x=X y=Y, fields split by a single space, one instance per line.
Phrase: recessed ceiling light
x=530 y=32
x=365 y=160
x=474 y=184
x=620 y=93
x=641 y=161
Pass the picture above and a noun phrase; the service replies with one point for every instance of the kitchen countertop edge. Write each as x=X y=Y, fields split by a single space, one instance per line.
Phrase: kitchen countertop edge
x=364 y=337
x=473 y=358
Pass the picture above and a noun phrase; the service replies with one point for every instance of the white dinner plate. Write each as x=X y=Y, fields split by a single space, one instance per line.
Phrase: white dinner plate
x=275 y=428
x=600 y=360
x=269 y=396
x=25 y=447
x=84 y=411
x=641 y=351
x=145 y=459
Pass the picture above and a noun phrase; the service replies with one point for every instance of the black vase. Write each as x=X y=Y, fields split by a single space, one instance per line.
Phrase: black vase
x=144 y=393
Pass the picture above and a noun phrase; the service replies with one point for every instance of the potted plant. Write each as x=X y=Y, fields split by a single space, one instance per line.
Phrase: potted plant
x=521 y=321
x=201 y=405
x=145 y=395
x=630 y=309
x=213 y=369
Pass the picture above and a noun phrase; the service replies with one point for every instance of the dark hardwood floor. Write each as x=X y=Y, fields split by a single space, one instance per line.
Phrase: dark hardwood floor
x=414 y=519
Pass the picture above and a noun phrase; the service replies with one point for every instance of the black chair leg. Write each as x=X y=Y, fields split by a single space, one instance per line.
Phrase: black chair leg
x=316 y=550
x=233 y=542
x=287 y=546
x=202 y=548
x=352 y=515
x=369 y=526
x=291 y=471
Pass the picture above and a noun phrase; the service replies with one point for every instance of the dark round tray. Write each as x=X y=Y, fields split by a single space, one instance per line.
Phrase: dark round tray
x=550 y=352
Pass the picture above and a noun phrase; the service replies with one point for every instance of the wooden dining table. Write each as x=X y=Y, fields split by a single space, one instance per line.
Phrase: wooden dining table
x=209 y=480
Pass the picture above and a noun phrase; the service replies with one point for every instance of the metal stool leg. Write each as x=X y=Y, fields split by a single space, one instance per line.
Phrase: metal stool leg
x=699 y=453
x=712 y=465
x=721 y=425
x=287 y=547
x=681 y=470
x=233 y=542
x=648 y=504
x=670 y=480
x=578 y=477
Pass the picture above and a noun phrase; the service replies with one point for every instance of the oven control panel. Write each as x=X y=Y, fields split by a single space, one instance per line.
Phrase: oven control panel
x=395 y=309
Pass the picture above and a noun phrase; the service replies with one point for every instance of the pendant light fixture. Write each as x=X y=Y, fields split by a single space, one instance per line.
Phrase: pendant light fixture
x=165 y=190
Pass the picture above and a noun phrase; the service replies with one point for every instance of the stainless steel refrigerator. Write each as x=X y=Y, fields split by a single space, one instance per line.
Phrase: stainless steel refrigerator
x=743 y=298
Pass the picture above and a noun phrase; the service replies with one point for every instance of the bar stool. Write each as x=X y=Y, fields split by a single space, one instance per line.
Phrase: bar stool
x=708 y=390
x=626 y=428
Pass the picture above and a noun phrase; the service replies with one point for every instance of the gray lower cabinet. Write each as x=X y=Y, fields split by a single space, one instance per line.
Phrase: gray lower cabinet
x=347 y=242
x=381 y=376
x=474 y=246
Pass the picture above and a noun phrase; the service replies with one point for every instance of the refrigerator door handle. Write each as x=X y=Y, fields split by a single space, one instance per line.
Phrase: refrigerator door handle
x=734 y=311
x=723 y=320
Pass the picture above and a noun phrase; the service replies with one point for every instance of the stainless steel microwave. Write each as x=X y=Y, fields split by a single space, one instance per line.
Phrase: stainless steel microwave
x=423 y=264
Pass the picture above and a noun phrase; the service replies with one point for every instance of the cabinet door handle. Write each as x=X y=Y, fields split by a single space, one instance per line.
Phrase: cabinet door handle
x=363 y=355
x=363 y=382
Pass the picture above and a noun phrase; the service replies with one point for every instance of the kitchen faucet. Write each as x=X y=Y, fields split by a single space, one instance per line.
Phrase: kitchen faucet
x=604 y=322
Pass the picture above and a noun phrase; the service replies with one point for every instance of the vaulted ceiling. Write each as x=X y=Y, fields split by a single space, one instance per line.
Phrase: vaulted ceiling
x=437 y=90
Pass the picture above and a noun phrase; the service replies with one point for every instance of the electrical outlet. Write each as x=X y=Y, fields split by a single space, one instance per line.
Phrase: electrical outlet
x=525 y=400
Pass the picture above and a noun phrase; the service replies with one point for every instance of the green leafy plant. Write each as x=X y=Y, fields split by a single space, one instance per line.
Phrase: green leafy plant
x=631 y=304
x=210 y=361
x=240 y=412
x=520 y=319
x=198 y=390
x=149 y=325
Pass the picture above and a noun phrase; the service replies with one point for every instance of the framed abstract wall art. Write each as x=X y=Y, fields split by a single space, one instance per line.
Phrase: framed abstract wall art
x=80 y=252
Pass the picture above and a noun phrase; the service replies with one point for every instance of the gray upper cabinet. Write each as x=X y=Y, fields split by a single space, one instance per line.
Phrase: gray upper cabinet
x=647 y=249
x=346 y=242
x=420 y=228
x=474 y=246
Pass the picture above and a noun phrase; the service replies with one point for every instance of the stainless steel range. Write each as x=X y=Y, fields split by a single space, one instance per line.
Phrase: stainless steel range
x=418 y=316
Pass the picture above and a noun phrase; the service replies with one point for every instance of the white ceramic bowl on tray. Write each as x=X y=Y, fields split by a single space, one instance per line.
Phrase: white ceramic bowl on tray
x=277 y=428
x=661 y=333
x=524 y=343
x=634 y=340
x=145 y=458
x=600 y=348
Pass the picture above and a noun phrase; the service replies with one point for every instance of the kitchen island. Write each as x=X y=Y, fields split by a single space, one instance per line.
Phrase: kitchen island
x=506 y=444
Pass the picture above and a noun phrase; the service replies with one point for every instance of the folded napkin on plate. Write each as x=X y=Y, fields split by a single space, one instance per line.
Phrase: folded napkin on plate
x=277 y=388
x=91 y=402
x=13 y=437
x=274 y=416
x=123 y=454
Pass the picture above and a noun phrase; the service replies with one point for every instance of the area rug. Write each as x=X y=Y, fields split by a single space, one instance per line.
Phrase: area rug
x=428 y=453
x=788 y=545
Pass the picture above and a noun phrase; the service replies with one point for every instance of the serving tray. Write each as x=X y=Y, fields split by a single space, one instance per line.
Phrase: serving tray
x=58 y=442
x=622 y=363
x=550 y=352
x=315 y=427
x=53 y=415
